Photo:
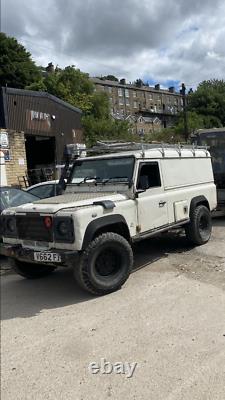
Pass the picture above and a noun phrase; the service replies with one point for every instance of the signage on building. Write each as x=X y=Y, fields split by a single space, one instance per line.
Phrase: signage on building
x=38 y=120
x=4 y=140
x=38 y=115
x=6 y=153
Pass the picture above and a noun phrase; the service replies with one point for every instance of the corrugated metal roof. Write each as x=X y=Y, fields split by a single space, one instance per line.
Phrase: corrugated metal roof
x=47 y=95
x=38 y=113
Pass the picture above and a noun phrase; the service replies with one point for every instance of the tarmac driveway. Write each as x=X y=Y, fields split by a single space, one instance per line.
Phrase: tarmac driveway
x=169 y=318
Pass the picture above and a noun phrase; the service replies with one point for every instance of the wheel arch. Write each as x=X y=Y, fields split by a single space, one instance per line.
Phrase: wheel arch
x=111 y=223
x=197 y=201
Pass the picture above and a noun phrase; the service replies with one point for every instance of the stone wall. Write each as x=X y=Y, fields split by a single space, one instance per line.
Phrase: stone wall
x=16 y=166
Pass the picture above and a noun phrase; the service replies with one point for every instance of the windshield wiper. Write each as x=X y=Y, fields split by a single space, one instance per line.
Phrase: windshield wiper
x=89 y=178
x=115 y=178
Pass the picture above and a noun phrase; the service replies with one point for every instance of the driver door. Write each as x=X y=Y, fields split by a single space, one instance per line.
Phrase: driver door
x=152 y=205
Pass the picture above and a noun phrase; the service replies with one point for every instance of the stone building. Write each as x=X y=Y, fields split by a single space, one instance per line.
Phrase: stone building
x=34 y=127
x=129 y=99
x=12 y=145
x=140 y=125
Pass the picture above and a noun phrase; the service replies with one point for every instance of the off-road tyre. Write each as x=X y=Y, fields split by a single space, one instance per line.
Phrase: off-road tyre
x=31 y=270
x=105 y=264
x=198 y=230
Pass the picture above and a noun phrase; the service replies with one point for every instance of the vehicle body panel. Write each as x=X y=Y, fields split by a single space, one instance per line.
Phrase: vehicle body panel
x=144 y=211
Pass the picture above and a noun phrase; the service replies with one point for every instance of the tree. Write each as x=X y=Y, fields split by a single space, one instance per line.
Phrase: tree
x=100 y=105
x=16 y=66
x=166 y=135
x=195 y=121
x=109 y=78
x=209 y=102
x=105 y=129
x=176 y=133
x=69 y=84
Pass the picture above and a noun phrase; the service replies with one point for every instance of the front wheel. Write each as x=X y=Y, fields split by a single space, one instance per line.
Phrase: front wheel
x=105 y=264
x=31 y=270
x=199 y=229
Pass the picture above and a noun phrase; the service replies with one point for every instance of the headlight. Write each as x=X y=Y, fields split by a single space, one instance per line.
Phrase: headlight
x=9 y=226
x=63 y=229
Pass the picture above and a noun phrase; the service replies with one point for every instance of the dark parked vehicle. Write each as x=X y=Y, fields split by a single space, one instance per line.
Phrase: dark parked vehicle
x=214 y=139
x=44 y=189
x=12 y=197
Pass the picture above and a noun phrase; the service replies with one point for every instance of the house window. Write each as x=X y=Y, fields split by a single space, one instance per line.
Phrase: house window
x=127 y=94
x=127 y=102
x=150 y=96
x=110 y=89
x=135 y=104
x=149 y=176
x=134 y=93
x=120 y=92
x=121 y=102
x=141 y=131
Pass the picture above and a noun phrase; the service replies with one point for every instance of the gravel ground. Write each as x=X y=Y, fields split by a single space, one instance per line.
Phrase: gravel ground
x=169 y=318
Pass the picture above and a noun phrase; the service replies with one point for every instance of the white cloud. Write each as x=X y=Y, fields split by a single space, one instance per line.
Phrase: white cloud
x=160 y=39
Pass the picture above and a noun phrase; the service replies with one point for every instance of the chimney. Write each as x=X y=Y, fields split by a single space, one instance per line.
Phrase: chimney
x=157 y=86
x=50 y=68
x=172 y=89
x=123 y=81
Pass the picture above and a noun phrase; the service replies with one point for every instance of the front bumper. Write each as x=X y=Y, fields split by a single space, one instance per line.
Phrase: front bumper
x=68 y=258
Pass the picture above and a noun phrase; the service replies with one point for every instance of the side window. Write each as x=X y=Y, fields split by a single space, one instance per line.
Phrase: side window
x=43 y=191
x=149 y=176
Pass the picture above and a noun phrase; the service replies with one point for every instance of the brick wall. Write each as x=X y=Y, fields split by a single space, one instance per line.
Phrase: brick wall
x=17 y=165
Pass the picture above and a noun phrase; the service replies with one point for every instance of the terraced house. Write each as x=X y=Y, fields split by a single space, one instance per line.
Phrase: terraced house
x=152 y=103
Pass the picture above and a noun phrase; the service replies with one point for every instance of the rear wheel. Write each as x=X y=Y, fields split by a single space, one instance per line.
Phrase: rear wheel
x=105 y=265
x=199 y=229
x=31 y=270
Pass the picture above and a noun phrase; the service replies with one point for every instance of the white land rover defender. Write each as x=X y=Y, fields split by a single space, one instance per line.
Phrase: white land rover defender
x=111 y=201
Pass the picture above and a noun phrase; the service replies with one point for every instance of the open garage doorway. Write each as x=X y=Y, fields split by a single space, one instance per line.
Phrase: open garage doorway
x=40 y=153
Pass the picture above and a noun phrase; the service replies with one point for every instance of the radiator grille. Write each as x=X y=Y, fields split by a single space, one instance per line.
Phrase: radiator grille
x=32 y=227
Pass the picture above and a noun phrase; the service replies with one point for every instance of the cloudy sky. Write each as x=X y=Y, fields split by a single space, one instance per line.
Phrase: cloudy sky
x=162 y=41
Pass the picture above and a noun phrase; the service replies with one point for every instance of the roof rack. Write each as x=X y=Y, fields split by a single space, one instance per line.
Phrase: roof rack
x=72 y=152
x=118 y=146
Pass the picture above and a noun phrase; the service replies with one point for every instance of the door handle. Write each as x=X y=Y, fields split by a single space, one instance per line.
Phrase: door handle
x=162 y=203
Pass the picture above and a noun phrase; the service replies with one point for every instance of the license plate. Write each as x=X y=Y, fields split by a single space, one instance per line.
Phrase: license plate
x=47 y=257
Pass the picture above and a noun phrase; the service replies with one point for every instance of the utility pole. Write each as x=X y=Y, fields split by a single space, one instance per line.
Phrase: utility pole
x=183 y=92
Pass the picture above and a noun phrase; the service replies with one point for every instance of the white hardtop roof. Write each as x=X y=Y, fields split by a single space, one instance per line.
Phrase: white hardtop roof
x=159 y=152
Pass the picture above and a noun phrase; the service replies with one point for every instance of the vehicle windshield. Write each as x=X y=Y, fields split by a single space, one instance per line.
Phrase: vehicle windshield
x=216 y=143
x=10 y=197
x=103 y=170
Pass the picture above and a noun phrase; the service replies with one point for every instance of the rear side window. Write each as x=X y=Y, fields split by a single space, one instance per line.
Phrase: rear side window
x=149 y=176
